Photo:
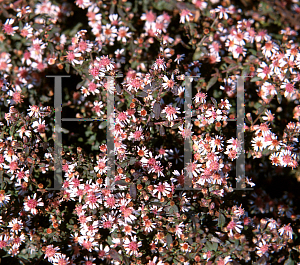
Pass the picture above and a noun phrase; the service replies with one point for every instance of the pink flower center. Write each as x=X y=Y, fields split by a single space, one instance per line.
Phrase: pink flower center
x=32 y=203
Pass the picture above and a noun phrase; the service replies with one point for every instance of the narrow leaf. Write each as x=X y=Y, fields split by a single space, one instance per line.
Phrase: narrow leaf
x=133 y=191
x=211 y=82
x=157 y=110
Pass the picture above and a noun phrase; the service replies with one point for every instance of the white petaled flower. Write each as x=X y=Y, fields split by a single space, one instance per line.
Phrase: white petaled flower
x=270 y=49
x=148 y=225
x=185 y=15
x=97 y=108
x=186 y=132
x=288 y=87
x=264 y=72
x=4 y=198
x=171 y=112
x=101 y=167
x=51 y=253
x=132 y=246
x=234 y=225
x=30 y=204
x=102 y=252
x=39 y=126
x=8 y=28
x=258 y=143
x=159 y=64
x=162 y=189
x=16 y=225
x=222 y=12
x=262 y=248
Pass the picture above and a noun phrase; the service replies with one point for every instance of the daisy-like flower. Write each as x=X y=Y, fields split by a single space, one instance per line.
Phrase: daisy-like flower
x=262 y=35
x=30 y=204
x=239 y=50
x=193 y=169
x=142 y=152
x=123 y=34
x=222 y=12
x=109 y=32
x=27 y=31
x=286 y=158
x=102 y=252
x=37 y=49
x=269 y=49
x=234 y=225
x=171 y=112
x=89 y=260
x=288 y=87
x=101 y=167
x=24 y=10
x=287 y=230
x=83 y=3
x=275 y=159
x=168 y=83
x=239 y=37
x=159 y=64
x=262 y=248
x=179 y=58
x=8 y=28
x=132 y=246
x=61 y=259
x=174 y=154
x=51 y=253
x=272 y=224
x=137 y=135
x=154 y=262
x=4 y=198
x=71 y=57
x=264 y=72
x=224 y=261
x=39 y=126
x=97 y=108
x=258 y=143
x=185 y=14
x=269 y=116
x=16 y=225
x=148 y=225
x=162 y=189
x=200 y=97
x=187 y=132
x=185 y=247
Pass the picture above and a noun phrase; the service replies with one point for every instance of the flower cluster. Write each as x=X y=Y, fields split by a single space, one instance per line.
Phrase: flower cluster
x=168 y=196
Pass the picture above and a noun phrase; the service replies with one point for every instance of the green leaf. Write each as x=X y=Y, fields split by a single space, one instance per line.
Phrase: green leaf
x=67 y=68
x=255 y=78
x=169 y=240
x=221 y=220
x=279 y=97
x=211 y=82
x=132 y=160
x=289 y=262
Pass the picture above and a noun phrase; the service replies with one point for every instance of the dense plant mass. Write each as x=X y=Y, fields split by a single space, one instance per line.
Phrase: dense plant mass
x=147 y=218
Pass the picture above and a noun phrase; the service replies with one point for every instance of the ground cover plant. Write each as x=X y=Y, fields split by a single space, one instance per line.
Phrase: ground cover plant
x=147 y=218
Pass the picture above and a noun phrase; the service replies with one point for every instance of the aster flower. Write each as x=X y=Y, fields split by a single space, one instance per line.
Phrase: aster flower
x=185 y=15
x=171 y=112
x=132 y=246
x=30 y=204
x=234 y=225
x=8 y=28
x=159 y=64
x=262 y=248
x=162 y=189
x=222 y=12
